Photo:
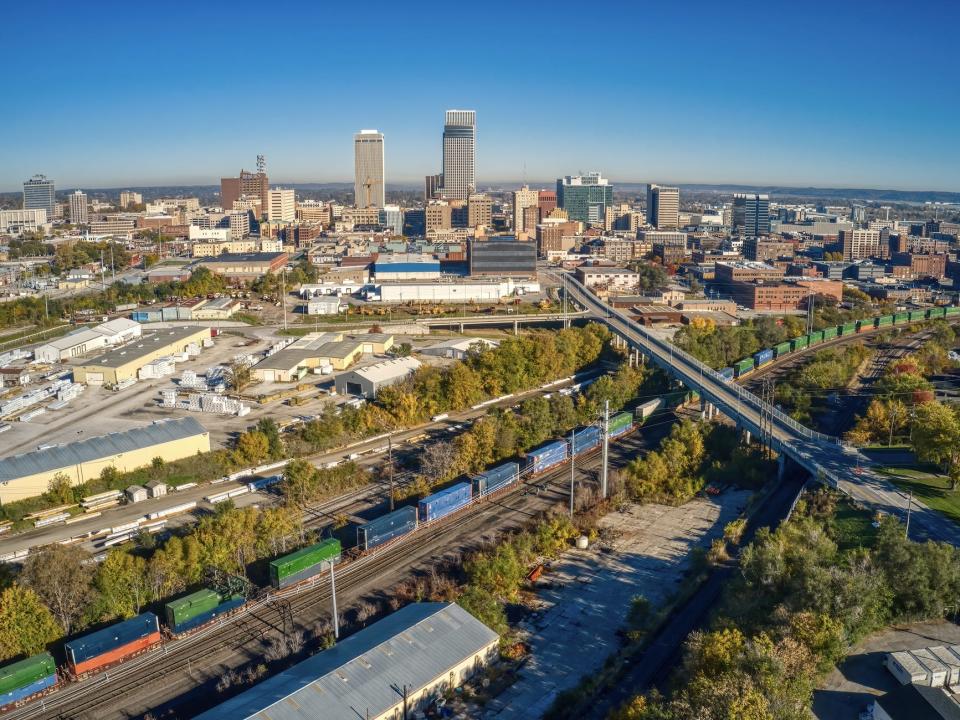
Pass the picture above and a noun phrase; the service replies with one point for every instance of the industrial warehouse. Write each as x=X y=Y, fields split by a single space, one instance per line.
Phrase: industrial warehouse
x=391 y=669
x=30 y=474
x=123 y=363
x=367 y=381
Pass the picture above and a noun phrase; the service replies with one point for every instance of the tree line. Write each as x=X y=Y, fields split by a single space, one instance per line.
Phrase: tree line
x=802 y=597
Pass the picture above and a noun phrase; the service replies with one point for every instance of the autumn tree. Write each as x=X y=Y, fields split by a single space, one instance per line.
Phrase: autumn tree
x=60 y=577
x=26 y=624
x=936 y=438
x=123 y=585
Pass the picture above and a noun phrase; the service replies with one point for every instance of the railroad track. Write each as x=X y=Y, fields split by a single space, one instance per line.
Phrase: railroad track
x=204 y=651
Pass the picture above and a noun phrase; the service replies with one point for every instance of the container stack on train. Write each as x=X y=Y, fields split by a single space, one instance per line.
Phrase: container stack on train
x=619 y=424
x=24 y=679
x=546 y=456
x=304 y=564
x=444 y=502
x=197 y=609
x=495 y=479
x=387 y=527
x=101 y=649
x=585 y=439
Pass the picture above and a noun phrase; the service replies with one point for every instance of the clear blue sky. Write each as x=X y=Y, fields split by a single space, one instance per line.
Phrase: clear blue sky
x=842 y=93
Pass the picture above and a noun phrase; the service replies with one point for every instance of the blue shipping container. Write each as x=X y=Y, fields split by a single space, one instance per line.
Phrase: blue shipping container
x=585 y=439
x=27 y=690
x=763 y=357
x=445 y=502
x=495 y=478
x=110 y=638
x=262 y=483
x=546 y=456
x=387 y=527
x=205 y=617
x=726 y=373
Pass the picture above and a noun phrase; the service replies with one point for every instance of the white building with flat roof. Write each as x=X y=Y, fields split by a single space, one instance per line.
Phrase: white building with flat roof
x=17 y=222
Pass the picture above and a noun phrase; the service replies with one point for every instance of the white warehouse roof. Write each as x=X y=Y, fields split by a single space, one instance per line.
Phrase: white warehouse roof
x=413 y=647
x=388 y=369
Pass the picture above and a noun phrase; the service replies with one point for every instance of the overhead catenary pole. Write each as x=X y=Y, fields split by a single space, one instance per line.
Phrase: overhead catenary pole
x=333 y=597
x=390 y=467
x=606 y=448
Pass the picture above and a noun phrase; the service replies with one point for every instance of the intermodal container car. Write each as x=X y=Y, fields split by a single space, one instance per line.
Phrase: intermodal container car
x=782 y=349
x=829 y=333
x=620 y=424
x=176 y=612
x=937 y=312
x=917 y=315
x=648 y=408
x=303 y=564
x=546 y=456
x=799 y=343
x=763 y=357
x=848 y=328
x=816 y=337
x=900 y=318
x=727 y=373
x=445 y=502
x=586 y=439
x=263 y=483
x=492 y=480
x=884 y=320
x=113 y=644
x=210 y=615
x=742 y=367
x=387 y=527
x=26 y=678
x=951 y=311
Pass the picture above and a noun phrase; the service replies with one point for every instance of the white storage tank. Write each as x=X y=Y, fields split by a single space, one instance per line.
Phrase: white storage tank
x=906 y=669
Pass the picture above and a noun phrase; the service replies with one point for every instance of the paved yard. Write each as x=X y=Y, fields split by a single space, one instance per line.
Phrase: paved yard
x=849 y=688
x=587 y=595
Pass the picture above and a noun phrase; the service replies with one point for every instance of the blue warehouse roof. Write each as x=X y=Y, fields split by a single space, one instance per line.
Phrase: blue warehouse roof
x=61 y=456
x=411 y=647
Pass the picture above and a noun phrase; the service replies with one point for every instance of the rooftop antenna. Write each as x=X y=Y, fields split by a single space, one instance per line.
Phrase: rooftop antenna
x=261 y=164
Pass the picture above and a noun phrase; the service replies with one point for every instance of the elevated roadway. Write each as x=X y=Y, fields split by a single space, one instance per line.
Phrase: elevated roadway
x=826 y=458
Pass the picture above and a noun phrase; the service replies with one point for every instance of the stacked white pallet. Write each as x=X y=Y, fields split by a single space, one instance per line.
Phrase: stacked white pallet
x=207 y=343
x=31 y=414
x=12 y=356
x=193 y=403
x=193 y=350
x=57 y=405
x=168 y=398
x=212 y=403
x=69 y=392
x=124 y=384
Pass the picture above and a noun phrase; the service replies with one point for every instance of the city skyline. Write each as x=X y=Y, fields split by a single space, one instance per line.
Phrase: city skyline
x=797 y=112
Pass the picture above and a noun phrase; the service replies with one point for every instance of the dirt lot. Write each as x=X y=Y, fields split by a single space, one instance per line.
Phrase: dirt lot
x=849 y=689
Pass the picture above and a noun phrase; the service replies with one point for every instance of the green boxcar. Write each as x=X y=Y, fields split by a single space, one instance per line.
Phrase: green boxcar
x=900 y=318
x=619 y=421
x=937 y=312
x=782 y=349
x=24 y=672
x=884 y=320
x=799 y=343
x=849 y=328
x=294 y=563
x=829 y=333
x=816 y=337
x=918 y=315
x=743 y=366
x=189 y=606
x=951 y=311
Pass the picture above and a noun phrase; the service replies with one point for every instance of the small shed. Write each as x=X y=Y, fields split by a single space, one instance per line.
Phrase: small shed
x=136 y=493
x=905 y=668
x=156 y=488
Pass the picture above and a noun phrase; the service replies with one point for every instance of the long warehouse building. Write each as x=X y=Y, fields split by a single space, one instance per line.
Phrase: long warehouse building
x=122 y=363
x=426 y=648
x=30 y=474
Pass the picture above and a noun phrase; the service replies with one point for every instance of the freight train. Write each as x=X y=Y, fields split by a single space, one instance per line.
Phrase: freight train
x=99 y=650
x=748 y=365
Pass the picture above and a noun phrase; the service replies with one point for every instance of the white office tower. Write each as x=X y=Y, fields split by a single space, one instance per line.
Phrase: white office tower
x=38 y=194
x=368 y=190
x=78 y=208
x=459 y=154
x=282 y=207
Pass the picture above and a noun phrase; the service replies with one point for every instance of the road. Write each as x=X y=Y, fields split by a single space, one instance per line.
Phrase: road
x=824 y=457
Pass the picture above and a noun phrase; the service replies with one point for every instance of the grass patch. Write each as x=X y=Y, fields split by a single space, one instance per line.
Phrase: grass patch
x=930 y=488
x=852 y=527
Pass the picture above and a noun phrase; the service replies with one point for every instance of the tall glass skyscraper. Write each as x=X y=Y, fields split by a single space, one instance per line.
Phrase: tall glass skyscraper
x=38 y=194
x=368 y=180
x=585 y=197
x=459 y=154
x=751 y=214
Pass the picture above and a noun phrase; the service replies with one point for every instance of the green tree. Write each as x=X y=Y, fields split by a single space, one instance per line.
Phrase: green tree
x=60 y=577
x=936 y=438
x=26 y=625
x=123 y=585
x=252 y=447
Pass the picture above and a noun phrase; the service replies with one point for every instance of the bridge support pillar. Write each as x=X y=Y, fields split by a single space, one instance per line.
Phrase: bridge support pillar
x=516 y=327
x=746 y=437
x=461 y=328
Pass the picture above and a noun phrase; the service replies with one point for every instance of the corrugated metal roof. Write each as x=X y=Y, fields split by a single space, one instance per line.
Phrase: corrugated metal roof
x=141 y=348
x=73 y=339
x=61 y=456
x=411 y=647
x=388 y=369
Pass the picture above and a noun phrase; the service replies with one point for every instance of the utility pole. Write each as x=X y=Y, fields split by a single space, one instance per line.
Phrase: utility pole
x=573 y=439
x=909 y=506
x=390 y=467
x=606 y=448
x=283 y=295
x=333 y=596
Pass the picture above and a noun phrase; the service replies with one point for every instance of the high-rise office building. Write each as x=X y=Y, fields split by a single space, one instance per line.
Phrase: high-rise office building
x=248 y=185
x=522 y=199
x=751 y=214
x=368 y=181
x=38 y=194
x=128 y=198
x=479 y=210
x=459 y=154
x=663 y=207
x=78 y=208
x=281 y=207
x=860 y=244
x=546 y=202
x=585 y=198
x=391 y=216
x=432 y=185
